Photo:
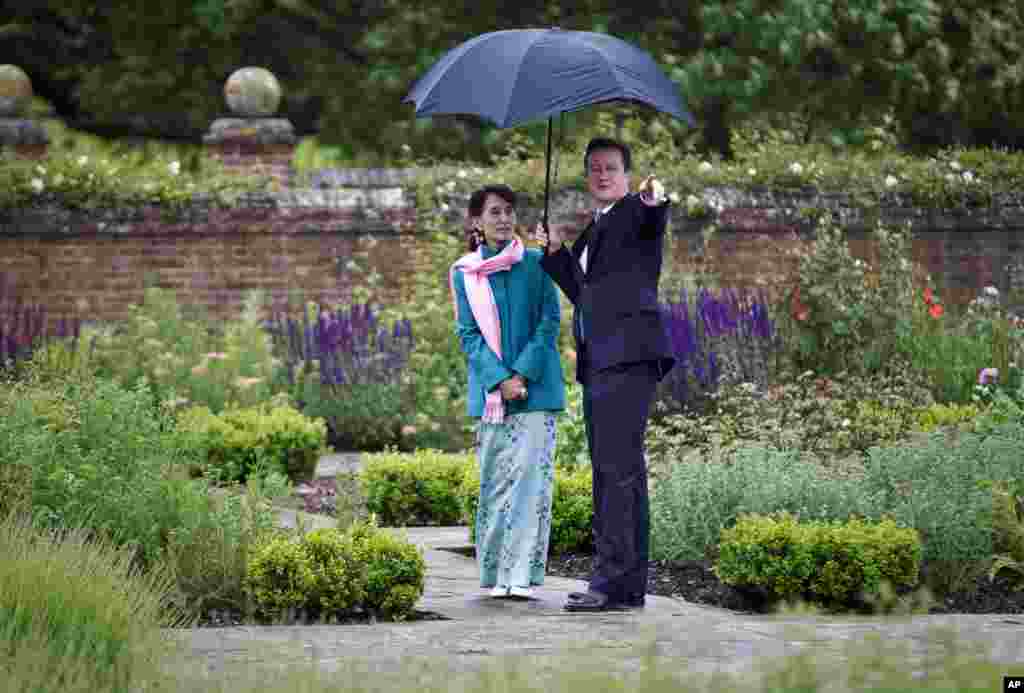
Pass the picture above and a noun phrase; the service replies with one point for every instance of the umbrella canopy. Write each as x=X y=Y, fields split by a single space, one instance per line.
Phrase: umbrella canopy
x=514 y=76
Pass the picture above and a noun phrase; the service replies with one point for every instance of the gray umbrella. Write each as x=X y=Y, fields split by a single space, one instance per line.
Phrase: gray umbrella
x=514 y=76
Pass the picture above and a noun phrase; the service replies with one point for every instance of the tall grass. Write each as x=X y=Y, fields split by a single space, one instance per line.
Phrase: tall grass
x=74 y=614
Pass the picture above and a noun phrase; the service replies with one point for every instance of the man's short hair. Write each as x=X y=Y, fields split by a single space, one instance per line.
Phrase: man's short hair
x=607 y=143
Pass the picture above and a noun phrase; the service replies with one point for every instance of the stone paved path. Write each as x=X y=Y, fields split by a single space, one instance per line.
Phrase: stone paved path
x=479 y=628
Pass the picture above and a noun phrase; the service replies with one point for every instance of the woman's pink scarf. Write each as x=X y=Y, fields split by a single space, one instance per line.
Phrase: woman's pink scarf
x=481 y=301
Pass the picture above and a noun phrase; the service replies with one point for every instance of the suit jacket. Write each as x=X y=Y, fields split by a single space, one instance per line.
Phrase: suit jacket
x=619 y=291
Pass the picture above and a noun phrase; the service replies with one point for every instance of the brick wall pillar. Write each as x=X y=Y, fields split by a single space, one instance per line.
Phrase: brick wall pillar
x=20 y=137
x=254 y=146
x=253 y=142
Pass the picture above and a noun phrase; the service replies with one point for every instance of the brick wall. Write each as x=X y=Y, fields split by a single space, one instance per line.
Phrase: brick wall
x=97 y=263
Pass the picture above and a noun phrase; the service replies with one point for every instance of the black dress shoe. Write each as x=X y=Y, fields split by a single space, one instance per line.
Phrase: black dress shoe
x=594 y=601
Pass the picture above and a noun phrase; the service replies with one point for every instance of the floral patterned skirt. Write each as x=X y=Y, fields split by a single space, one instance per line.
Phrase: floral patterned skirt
x=513 y=519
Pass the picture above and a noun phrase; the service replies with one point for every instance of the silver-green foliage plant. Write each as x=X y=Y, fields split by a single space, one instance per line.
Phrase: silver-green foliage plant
x=943 y=488
x=698 y=499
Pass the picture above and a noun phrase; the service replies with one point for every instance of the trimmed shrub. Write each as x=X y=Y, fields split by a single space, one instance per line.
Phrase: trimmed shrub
x=339 y=587
x=940 y=415
x=415 y=489
x=572 y=508
x=330 y=573
x=827 y=562
x=240 y=442
x=280 y=576
x=394 y=571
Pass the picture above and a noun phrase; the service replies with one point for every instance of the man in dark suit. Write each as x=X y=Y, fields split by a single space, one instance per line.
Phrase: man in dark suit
x=611 y=276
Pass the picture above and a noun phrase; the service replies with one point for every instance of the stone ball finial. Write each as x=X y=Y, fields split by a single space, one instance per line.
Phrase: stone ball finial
x=253 y=92
x=15 y=91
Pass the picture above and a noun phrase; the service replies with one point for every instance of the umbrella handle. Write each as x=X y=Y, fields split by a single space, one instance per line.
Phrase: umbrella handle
x=547 y=187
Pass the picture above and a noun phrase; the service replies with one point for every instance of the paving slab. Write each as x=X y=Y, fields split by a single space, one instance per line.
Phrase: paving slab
x=477 y=629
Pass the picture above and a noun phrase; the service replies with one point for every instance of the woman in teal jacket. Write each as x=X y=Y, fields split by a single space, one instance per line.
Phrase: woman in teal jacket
x=507 y=319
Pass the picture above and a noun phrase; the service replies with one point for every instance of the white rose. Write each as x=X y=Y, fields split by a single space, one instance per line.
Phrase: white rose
x=751 y=172
x=955 y=165
x=704 y=167
x=174 y=167
x=83 y=160
x=463 y=173
x=796 y=168
x=450 y=185
x=37 y=185
x=950 y=177
x=674 y=196
x=891 y=181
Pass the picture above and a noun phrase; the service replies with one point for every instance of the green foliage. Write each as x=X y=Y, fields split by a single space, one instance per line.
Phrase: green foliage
x=1008 y=526
x=571 y=450
x=845 y=314
x=414 y=489
x=360 y=416
x=95 y=174
x=183 y=360
x=437 y=365
x=572 y=508
x=951 y=350
x=280 y=576
x=95 y=454
x=572 y=511
x=338 y=587
x=696 y=500
x=242 y=442
x=941 y=415
x=941 y=487
x=208 y=552
x=829 y=562
x=828 y=419
x=330 y=573
x=394 y=572
x=921 y=60
x=70 y=601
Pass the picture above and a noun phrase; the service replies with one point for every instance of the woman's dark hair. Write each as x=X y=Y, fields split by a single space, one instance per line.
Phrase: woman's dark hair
x=476 y=209
x=607 y=143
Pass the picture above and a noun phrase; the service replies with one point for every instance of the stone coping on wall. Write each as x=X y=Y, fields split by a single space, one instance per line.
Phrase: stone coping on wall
x=385 y=207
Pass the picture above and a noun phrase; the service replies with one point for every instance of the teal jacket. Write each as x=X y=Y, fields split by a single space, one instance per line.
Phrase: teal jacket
x=529 y=312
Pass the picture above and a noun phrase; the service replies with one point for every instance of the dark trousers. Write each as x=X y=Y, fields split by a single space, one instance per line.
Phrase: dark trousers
x=616 y=402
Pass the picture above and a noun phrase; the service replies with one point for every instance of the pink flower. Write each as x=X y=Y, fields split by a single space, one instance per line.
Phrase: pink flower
x=988 y=375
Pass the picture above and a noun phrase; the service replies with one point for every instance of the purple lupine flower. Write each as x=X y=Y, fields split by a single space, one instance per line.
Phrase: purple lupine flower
x=988 y=375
